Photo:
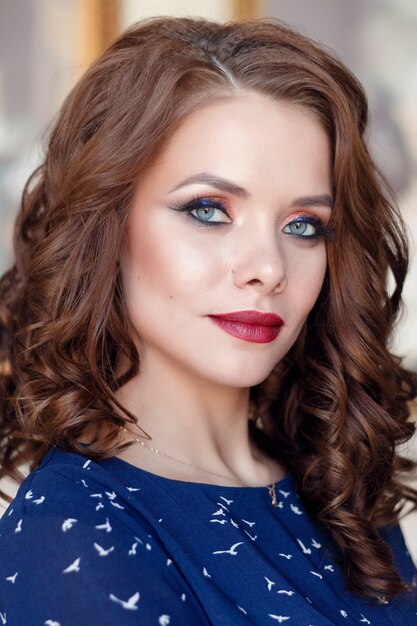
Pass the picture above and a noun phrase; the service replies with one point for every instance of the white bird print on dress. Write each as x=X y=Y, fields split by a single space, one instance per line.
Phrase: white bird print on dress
x=231 y=550
x=68 y=524
x=164 y=620
x=343 y=613
x=3 y=618
x=330 y=568
x=18 y=528
x=131 y=489
x=39 y=500
x=279 y=618
x=107 y=527
x=226 y=500
x=10 y=512
x=287 y=593
x=51 y=622
x=169 y=562
x=130 y=604
x=382 y=599
x=74 y=567
x=250 y=536
x=315 y=544
x=235 y=524
x=12 y=579
x=270 y=583
x=316 y=574
x=96 y=495
x=364 y=620
x=101 y=551
x=86 y=464
x=29 y=494
x=285 y=494
x=223 y=506
x=183 y=597
x=116 y=505
x=249 y=523
x=219 y=512
x=84 y=483
x=240 y=609
x=286 y=556
x=303 y=548
x=295 y=509
x=99 y=506
x=111 y=495
x=132 y=550
x=205 y=572
x=219 y=521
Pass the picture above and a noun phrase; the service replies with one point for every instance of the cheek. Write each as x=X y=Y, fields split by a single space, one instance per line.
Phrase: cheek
x=169 y=264
x=307 y=275
x=318 y=271
x=149 y=255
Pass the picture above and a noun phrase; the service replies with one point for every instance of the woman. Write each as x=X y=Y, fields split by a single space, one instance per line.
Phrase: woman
x=206 y=240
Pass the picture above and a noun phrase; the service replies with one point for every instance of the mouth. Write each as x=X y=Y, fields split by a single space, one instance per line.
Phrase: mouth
x=252 y=326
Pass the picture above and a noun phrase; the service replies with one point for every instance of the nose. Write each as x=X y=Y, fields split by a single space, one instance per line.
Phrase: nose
x=261 y=263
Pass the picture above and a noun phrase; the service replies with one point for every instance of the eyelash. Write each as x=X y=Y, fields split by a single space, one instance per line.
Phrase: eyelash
x=323 y=231
x=202 y=203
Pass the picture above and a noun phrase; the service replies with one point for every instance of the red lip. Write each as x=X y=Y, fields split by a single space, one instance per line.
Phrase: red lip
x=252 y=317
x=253 y=326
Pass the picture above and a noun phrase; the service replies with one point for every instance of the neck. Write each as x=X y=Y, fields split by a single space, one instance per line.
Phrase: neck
x=200 y=423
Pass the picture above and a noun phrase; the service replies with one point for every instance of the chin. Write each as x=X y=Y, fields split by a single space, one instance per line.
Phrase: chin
x=245 y=379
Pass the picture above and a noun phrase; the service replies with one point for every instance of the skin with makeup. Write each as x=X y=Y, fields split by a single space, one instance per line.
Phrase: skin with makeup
x=225 y=256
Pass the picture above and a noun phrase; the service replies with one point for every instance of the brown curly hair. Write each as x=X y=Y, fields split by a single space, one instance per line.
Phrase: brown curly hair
x=336 y=407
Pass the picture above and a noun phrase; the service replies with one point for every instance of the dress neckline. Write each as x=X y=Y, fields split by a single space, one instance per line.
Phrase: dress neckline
x=121 y=464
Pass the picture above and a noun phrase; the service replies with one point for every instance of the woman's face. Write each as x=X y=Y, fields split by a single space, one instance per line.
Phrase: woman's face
x=232 y=217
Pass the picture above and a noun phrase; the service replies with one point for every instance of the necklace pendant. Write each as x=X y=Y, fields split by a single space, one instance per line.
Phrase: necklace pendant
x=273 y=496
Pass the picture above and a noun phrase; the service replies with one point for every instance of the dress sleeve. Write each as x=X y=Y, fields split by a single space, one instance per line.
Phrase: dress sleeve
x=59 y=566
x=402 y=559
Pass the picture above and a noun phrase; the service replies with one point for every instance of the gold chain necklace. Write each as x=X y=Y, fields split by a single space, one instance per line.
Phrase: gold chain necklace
x=271 y=487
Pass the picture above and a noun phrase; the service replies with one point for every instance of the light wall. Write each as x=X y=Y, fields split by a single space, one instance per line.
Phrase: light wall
x=132 y=10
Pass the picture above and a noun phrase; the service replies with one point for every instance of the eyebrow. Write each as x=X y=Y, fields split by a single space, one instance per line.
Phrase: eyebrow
x=228 y=186
x=322 y=199
x=214 y=181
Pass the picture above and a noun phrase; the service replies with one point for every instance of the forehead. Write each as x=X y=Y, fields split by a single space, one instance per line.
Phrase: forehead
x=267 y=117
x=249 y=139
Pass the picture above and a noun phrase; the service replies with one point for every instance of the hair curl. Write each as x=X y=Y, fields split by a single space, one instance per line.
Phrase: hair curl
x=335 y=408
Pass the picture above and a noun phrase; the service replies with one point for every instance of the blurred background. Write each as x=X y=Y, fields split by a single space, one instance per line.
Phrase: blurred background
x=46 y=45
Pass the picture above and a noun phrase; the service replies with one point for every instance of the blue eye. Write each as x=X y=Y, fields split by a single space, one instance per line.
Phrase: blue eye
x=307 y=228
x=208 y=213
x=205 y=211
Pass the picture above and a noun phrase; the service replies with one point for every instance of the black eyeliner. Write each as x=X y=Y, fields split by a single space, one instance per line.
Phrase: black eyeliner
x=201 y=202
x=323 y=231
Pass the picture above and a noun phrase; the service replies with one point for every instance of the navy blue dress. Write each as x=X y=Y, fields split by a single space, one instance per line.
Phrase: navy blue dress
x=108 y=544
